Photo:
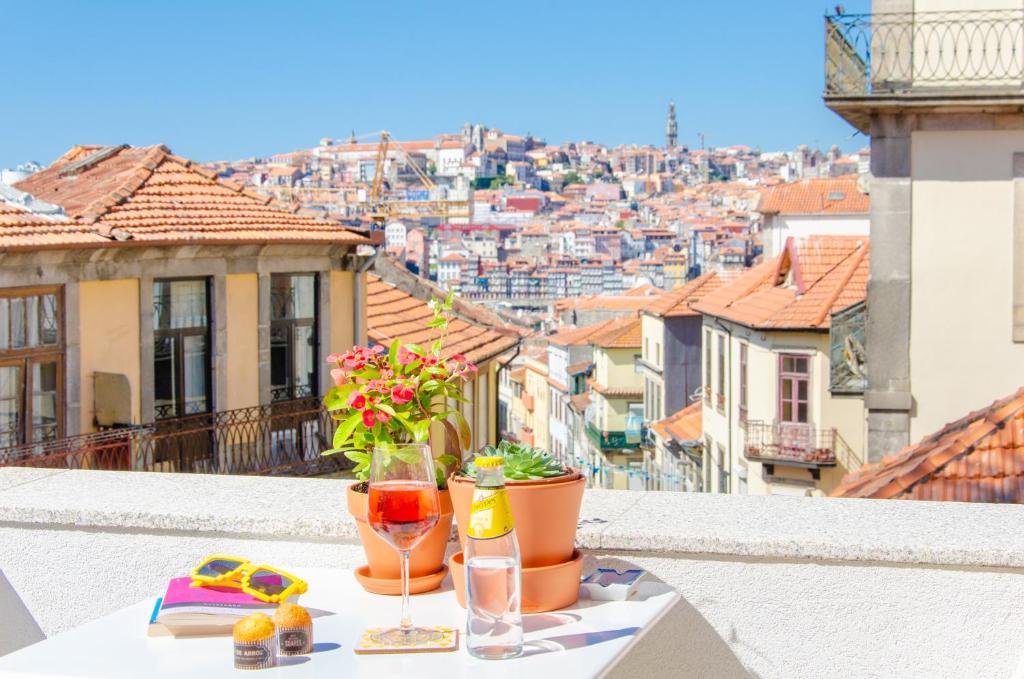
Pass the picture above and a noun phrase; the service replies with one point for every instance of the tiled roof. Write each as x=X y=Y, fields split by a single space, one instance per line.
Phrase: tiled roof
x=394 y=314
x=21 y=229
x=678 y=302
x=148 y=194
x=685 y=425
x=578 y=368
x=616 y=392
x=824 y=195
x=579 y=402
x=979 y=458
x=623 y=332
x=799 y=289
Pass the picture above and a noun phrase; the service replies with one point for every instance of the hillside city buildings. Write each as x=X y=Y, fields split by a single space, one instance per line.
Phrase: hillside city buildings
x=719 y=319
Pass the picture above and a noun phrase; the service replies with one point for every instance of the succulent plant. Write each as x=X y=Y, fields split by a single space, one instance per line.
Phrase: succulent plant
x=522 y=462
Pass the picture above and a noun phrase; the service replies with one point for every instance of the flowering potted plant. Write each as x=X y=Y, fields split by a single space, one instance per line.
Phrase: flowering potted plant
x=389 y=398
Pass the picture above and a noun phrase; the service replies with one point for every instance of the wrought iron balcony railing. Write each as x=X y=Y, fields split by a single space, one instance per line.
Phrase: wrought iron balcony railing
x=284 y=438
x=790 y=443
x=890 y=53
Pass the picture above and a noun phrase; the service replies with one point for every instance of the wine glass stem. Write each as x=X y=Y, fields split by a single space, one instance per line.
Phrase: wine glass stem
x=406 y=623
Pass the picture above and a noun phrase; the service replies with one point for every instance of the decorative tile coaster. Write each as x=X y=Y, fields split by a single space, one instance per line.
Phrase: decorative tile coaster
x=370 y=643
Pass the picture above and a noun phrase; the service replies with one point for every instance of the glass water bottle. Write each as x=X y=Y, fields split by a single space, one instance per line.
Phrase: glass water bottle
x=494 y=625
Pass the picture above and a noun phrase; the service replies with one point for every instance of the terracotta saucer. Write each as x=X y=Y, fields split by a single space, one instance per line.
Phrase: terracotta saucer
x=545 y=588
x=388 y=586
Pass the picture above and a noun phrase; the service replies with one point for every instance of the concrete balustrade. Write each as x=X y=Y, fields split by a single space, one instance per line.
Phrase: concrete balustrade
x=771 y=586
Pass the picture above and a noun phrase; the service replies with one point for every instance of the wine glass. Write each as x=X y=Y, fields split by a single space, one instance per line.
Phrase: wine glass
x=403 y=507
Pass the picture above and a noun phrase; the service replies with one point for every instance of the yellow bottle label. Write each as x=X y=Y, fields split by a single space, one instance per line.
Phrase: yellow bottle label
x=490 y=515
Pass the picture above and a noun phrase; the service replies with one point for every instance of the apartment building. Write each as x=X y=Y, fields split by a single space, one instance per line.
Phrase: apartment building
x=614 y=416
x=819 y=206
x=123 y=313
x=937 y=86
x=783 y=407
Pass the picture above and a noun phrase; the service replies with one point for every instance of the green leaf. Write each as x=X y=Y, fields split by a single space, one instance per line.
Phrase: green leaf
x=420 y=430
x=385 y=408
x=337 y=397
x=345 y=429
x=393 y=352
x=416 y=349
x=447 y=460
x=465 y=436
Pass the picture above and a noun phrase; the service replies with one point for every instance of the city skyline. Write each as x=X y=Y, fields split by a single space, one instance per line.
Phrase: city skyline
x=219 y=83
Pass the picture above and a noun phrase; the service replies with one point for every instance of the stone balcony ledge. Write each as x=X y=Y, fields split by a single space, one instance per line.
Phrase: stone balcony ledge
x=954 y=534
x=770 y=586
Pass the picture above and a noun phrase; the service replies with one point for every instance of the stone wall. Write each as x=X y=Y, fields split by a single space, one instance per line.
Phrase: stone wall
x=771 y=586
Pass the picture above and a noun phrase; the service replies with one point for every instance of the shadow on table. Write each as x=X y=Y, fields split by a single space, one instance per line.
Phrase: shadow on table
x=535 y=622
x=288 y=660
x=568 y=642
x=325 y=646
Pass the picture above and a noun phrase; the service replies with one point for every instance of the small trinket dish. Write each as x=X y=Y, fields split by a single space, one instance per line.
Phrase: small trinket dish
x=608 y=584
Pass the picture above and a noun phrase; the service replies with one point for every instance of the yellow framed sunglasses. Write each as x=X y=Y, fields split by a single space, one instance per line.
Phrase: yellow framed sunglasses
x=263 y=582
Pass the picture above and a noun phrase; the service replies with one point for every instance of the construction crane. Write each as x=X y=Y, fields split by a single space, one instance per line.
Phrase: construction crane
x=383 y=210
x=379 y=207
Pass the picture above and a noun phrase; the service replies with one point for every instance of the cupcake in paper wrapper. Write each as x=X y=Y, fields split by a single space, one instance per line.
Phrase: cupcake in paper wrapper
x=294 y=630
x=255 y=643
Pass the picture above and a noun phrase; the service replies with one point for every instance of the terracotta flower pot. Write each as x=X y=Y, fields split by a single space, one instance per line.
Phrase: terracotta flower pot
x=545 y=513
x=426 y=559
x=544 y=589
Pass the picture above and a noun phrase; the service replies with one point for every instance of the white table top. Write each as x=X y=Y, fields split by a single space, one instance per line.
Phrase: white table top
x=582 y=641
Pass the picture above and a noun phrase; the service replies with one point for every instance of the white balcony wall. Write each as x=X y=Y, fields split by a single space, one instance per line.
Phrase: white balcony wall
x=770 y=586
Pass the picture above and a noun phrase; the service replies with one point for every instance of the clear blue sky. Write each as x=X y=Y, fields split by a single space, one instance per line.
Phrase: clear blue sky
x=227 y=79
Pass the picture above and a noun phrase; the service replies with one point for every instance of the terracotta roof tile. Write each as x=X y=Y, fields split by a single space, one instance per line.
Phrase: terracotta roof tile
x=684 y=425
x=799 y=289
x=623 y=332
x=822 y=195
x=394 y=314
x=978 y=458
x=678 y=302
x=148 y=194
x=24 y=230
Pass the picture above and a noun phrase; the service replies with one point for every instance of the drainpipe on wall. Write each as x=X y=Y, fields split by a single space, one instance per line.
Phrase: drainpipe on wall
x=359 y=291
x=728 y=399
x=497 y=386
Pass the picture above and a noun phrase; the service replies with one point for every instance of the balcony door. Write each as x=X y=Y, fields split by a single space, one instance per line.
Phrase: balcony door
x=794 y=402
x=296 y=432
x=181 y=347
x=182 y=397
x=31 y=366
x=294 y=345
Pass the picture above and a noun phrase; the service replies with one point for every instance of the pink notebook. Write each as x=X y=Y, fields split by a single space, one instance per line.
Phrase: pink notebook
x=202 y=611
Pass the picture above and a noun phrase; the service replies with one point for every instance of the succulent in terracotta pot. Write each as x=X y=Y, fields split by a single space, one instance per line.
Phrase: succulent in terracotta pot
x=388 y=397
x=545 y=497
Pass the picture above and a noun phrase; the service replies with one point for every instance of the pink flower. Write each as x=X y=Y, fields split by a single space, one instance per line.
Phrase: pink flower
x=471 y=367
x=402 y=394
x=461 y=358
x=338 y=375
x=357 y=401
x=378 y=349
x=406 y=357
x=368 y=418
x=333 y=358
x=382 y=417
